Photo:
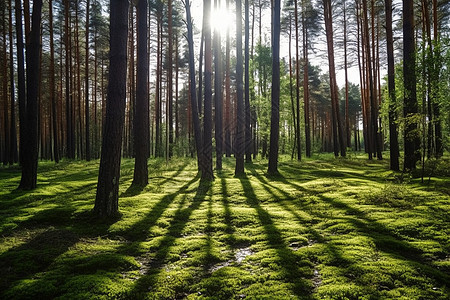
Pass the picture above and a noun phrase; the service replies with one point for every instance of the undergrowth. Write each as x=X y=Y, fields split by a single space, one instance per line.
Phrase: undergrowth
x=324 y=228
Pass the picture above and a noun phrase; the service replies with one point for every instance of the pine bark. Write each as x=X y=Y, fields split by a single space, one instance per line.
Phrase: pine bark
x=240 y=138
x=28 y=180
x=207 y=170
x=107 y=198
x=218 y=96
x=248 y=129
x=275 y=96
x=141 y=125
x=393 y=134
x=411 y=137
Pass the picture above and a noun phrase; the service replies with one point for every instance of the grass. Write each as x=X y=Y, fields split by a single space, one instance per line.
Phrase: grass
x=324 y=228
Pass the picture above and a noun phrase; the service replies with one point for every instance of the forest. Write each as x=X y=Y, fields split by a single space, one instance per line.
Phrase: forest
x=188 y=149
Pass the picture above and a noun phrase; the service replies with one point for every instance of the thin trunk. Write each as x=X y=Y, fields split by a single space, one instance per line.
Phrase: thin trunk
x=393 y=134
x=218 y=96
x=192 y=89
x=275 y=101
x=86 y=89
x=141 y=143
x=170 y=82
x=21 y=84
x=248 y=129
x=52 y=86
x=411 y=138
x=297 y=84
x=13 y=155
x=207 y=173
x=347 y=117
x=306 y=85
x=240 y=138
x=227 y=93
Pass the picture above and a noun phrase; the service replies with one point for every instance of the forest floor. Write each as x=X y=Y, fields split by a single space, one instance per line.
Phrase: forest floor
x=324 y=228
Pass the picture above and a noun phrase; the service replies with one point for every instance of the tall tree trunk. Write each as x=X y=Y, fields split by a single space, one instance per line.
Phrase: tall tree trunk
x=393 y=134
x=21 y=84
x=227 y=93
x=218 y=96
x=248 y=129
x=291 y=87
x=141 y=144
x=297 y=84
x=157 y=88
x=52 y=85
x=70 y=136
x=411 y=138
x=337 y=128
x=207 y=173
x=170 y=82
x=30 y=157
x=435 y=82
x=306 y=85
x=347 y=117
x=5 y=156
x=240 y=138
x=13 y=155
x=107 y=198
x=275 y=101
x=86 y=89
x=192 y=88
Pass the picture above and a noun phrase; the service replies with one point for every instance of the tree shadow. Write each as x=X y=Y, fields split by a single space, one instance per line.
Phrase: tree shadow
x=384 y=238
x=31 y=258
x=287 y=260
x=179 y=221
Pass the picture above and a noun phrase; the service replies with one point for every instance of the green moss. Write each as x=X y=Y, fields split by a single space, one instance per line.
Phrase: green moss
x=324 y=229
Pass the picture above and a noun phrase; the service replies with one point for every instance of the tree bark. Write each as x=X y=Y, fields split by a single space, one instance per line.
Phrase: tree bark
x=52 y=86
x=192 y=88
x=240 y=138
x=248 y=129
x=86 y=89
x=107 y=198
x=30 y=157
x=275 y=96
x=218 y=96
x=393 y=134
x=207 y=173
x=411 y=137
x=141 y=125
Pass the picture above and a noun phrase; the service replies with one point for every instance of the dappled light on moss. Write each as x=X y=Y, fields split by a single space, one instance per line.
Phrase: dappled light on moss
x=321 y=229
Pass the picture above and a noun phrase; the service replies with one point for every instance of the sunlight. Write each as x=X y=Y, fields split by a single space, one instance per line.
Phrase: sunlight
x=222 y=19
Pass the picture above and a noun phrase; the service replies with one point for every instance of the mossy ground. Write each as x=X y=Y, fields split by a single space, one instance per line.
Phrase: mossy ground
x=324 y=229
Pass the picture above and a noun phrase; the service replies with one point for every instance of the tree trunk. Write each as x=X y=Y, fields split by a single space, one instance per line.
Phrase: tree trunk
x=411 y=138
x=207 y=173
x=30 y=157
x=86 y=89
x=218 y=96
x=13 y=155
x=240 y=138
x=21 y=85
x=170 y=82
x=52 y=85
x=107 y=198
x=192 y=88
x=306 y=85
x=248 y=129
x=275 y=97
x=141 y=143
x=227 y=93
x=297 y=85
x=337 y=128
x=393 y=134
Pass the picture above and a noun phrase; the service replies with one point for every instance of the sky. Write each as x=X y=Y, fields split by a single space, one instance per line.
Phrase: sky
x=225 y=19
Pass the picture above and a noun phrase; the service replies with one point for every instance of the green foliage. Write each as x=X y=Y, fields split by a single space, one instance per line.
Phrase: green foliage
x=324 y=229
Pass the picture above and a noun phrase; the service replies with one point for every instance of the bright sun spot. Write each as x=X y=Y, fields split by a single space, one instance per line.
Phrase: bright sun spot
x=222 y=20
